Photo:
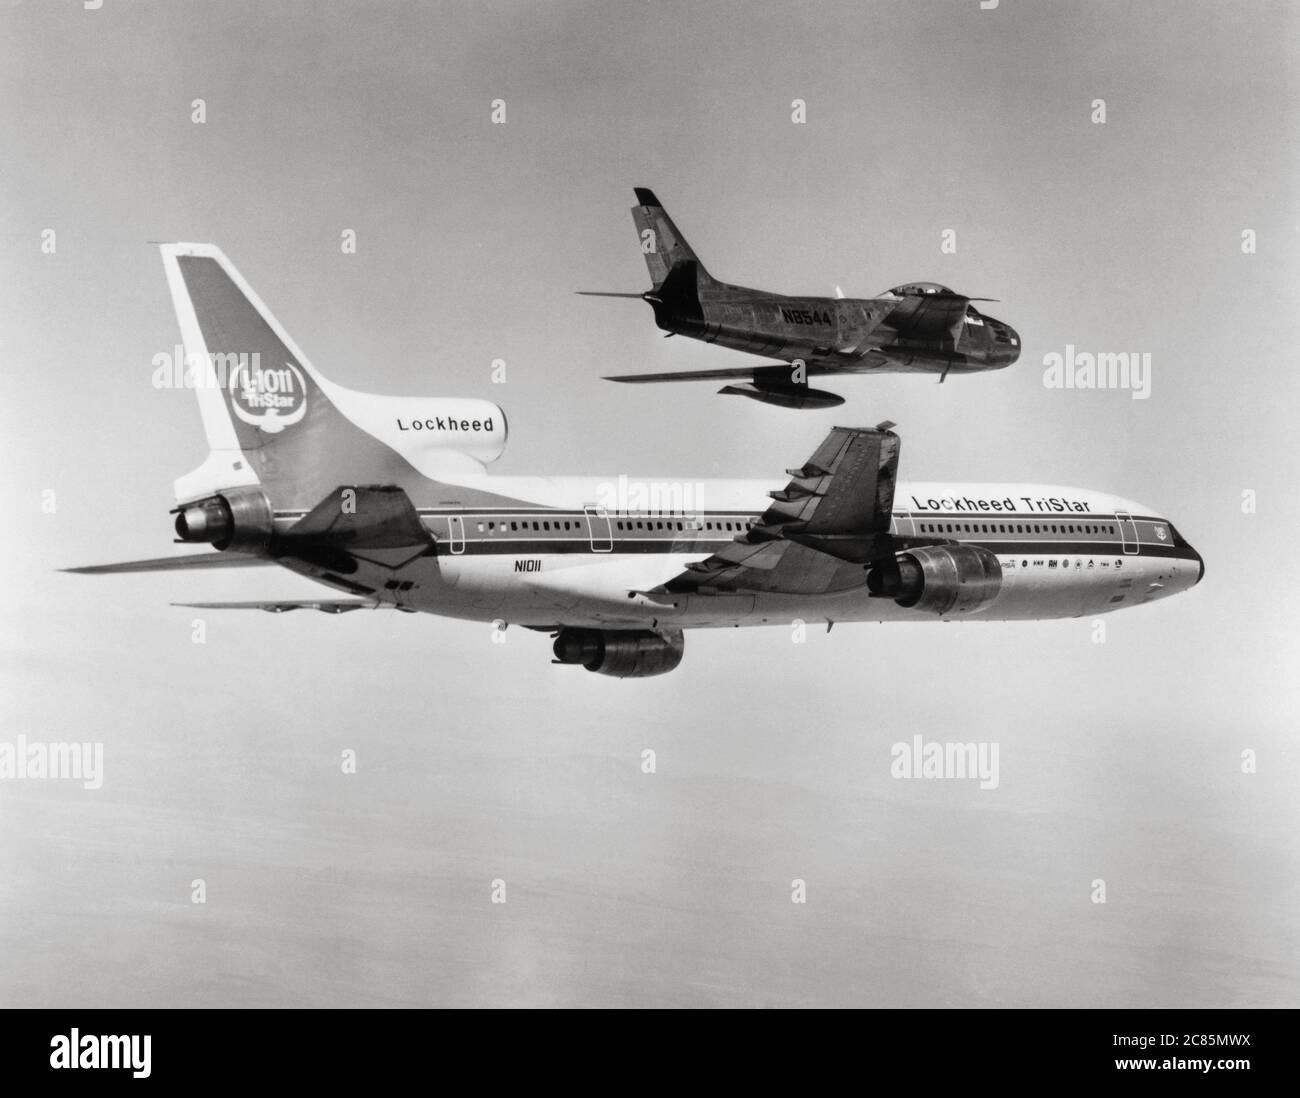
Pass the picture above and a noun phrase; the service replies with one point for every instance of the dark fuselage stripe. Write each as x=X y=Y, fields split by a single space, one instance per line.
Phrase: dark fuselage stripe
x=468 y=540
x=964 y=517
x=489 y=546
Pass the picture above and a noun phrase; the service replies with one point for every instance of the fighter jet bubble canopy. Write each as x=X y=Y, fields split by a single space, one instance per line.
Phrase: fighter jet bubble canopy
x=912 y=289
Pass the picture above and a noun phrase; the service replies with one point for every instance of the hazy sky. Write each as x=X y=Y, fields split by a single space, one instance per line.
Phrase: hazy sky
x=479 y=761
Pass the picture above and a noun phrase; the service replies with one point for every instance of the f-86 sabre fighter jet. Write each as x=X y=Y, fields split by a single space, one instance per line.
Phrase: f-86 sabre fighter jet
x=918 y=327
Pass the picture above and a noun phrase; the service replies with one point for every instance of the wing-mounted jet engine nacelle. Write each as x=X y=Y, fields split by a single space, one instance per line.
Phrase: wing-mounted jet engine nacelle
x=623 y=653
x=941 y=579
x=238 y=518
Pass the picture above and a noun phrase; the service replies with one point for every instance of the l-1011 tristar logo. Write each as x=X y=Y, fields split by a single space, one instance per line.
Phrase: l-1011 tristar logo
x=269 y=400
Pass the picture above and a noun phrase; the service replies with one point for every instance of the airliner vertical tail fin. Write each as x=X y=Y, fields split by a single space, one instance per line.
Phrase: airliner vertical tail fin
x=273 y=421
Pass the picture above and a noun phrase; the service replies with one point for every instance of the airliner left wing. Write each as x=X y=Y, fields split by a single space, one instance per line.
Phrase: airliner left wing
x=830 y=520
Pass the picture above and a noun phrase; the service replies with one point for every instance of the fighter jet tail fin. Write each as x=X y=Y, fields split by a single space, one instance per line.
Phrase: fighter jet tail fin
x=662 y=243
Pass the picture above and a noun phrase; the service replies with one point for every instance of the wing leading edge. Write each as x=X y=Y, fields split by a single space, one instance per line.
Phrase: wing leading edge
x=869 y=362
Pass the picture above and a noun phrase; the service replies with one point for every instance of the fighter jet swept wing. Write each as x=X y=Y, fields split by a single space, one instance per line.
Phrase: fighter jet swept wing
x=780 y=383
x=821 y=529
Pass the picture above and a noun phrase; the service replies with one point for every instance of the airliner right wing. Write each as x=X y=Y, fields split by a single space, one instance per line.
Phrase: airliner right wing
x=821 y=529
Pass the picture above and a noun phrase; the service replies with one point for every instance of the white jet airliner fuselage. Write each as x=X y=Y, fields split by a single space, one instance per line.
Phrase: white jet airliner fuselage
x=564 y=558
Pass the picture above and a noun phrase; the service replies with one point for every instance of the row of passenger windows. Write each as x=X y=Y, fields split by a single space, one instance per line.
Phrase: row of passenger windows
x=492 y=527
x=739 y=526
x=1012 y=528
x=733 y=527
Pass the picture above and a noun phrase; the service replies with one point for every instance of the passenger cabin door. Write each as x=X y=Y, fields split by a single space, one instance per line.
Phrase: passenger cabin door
x=456 y=527
x=598 y=529
x=1128 y=534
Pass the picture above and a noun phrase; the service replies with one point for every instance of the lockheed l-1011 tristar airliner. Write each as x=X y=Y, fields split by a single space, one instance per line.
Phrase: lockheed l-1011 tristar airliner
x=386 y=500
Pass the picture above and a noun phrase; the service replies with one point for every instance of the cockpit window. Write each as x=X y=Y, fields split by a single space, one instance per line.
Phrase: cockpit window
x=913 y=289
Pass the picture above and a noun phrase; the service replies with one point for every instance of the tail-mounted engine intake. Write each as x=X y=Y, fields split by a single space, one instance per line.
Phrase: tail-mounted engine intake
x=623 y=653
x=239 y=518
x=942 y=579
